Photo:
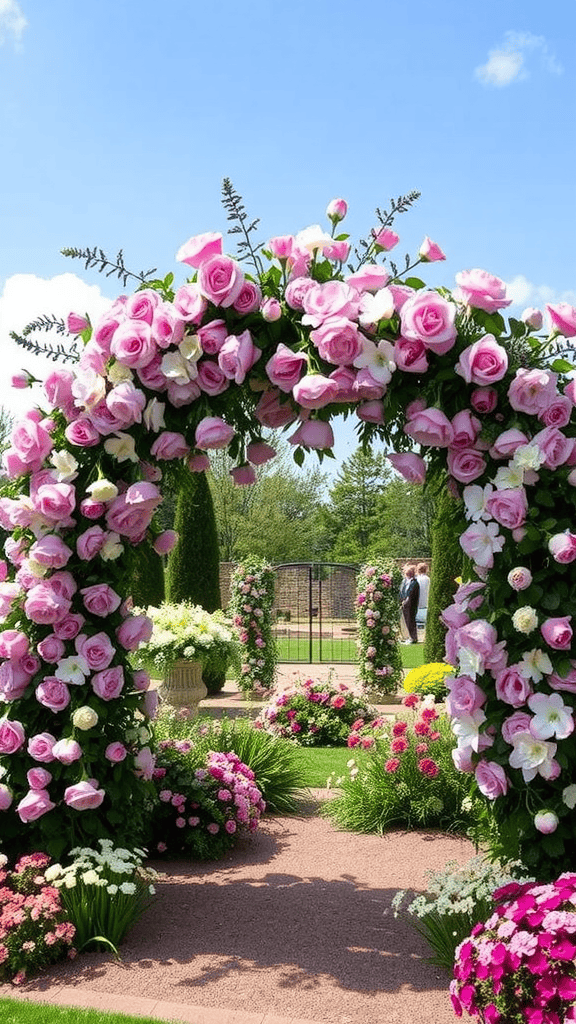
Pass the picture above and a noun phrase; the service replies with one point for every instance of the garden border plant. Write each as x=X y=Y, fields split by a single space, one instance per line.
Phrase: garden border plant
x=172 y=372
x=251 y=599
x=377 y=615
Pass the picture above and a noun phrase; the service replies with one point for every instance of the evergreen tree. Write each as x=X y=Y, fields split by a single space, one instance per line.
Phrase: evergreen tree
x=147 y=577
x=194 y=563
x=351 y=519
x=447 y=560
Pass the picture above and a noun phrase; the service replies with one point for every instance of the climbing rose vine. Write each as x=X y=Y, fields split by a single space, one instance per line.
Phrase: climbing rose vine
x=377 y=613
x=251 y=600
x=288 y=338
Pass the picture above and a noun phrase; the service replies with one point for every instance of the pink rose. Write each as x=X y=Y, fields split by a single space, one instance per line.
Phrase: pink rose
x=213 y=432
x=410 y=356
x=519 y=578
x=259 y=452
x=562 y=547
x=142 y=304
x=38 y=778
x=212 y=336
x=385 y=239
x=430 y=252
x=221 y=280
x=243 y=475
x=133 y=344
x=371 y=412
x=332 y=299
x=338 y=340
x=338 y=251
x=563 y=319
x=115 y=752
x=532 y=318
x=506 y=444
x=40 y=747
x=427 y=317
x=170 y=445
x=165 y=542
x=13 y=680
x=491 y=779
x=556 y=448
x=135 y=630
x=83 y=796
x=53 y=694
x=90 y=543
x=91 y=509
x=31 y=442
x=141 y=679
x=511 y=726
x=237 y=356
x=200 y=248
x=285 y=367
x=313 y=434
x=557 y=413
x=126 y=404
x=167 y=327
x=249 y=298
x=484 y=362
x=484 y=400
x=512 y=687
x=532 y=390
x=58 y=391
x=13 y=644
x=481 y=290
x=145 y=763
x=150 y=704
x=211 y=377
x=370 y=278
x=508 y=507
x=55 y=501
x=411 y=466
x=100 y=600
x=273 y=410
x=44 y=606
x=281 y=246
x=464 y=696
x=50 y=550
x=430 y=427
x=567 y=682
x=466 y=464
x=557 y=632
x=12 y=736
x=97 y=649
x=296 y=290
x=76 y=323
x=130 y=518
x=466 y=429
x=36 y=803
x=68 y=627
x=67 y=751
x=314 y=391
x=108 y=684
x=198 y=462
x=271 y=310
x=336 y=210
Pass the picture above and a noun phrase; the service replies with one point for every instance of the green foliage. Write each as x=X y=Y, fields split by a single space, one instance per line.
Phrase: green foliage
x=407 y=781
x=147 y=584
x=17 y=1011
x=193 y=564
x=187 y=631
x=447 y=560
x=274 y=761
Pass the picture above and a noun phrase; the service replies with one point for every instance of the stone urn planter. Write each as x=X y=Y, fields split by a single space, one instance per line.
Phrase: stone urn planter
x=183 y=688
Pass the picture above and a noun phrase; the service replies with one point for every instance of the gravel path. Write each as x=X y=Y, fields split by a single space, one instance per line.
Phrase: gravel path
x=295 y=922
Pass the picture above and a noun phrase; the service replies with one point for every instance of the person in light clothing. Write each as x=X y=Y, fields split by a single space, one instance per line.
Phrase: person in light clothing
x=424 y=584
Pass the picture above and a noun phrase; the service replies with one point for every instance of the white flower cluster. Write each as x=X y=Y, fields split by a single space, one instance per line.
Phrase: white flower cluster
x=102 y=868
x=458 y=888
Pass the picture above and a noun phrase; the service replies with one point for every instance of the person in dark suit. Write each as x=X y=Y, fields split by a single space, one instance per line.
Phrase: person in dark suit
x=409 y=595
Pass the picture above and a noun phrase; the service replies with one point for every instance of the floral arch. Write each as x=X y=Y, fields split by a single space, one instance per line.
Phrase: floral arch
x=170 y=373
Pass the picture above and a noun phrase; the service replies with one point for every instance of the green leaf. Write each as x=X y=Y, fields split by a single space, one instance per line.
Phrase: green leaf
x=299 y=456
x=561 y=366
x=414 y=282
x=551 y=601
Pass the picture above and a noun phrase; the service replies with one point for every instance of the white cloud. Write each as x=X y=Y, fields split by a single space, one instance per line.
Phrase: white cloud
x=12 y=21
x=526 y=294
x=25 y=298
x=508 y=62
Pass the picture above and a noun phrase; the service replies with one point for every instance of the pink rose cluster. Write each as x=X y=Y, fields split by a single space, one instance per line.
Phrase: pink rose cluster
x=521 y=961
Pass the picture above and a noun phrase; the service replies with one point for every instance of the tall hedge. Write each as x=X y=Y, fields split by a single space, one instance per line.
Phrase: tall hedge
x=194 y=564
x=147 y=577
x=447 y=561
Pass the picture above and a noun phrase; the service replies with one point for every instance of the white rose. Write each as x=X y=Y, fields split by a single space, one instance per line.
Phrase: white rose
x=112 y=547
x=84 y=718
x=154 y=415
x=525 y=619
x=118 y=373
x=65 y=465
x=102 y=490
x=313 y=238
x=121 y=447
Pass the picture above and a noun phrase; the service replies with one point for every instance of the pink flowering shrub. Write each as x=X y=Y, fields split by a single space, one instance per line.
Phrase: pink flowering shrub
x=251 y=600
x=201 y=812
x=406 y=778
x=34 y=927
x=313 y=714
x=377 y=615
x=520 y=964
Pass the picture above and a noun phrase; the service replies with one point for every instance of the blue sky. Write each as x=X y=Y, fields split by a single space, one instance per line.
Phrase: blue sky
x=119 y=119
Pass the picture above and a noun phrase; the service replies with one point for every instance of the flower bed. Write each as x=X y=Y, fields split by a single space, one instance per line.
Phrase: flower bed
x=313 y=714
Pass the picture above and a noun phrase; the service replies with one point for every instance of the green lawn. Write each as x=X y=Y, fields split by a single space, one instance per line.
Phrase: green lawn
x=318 y=763
x=298 y=649
x=13 y=1011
